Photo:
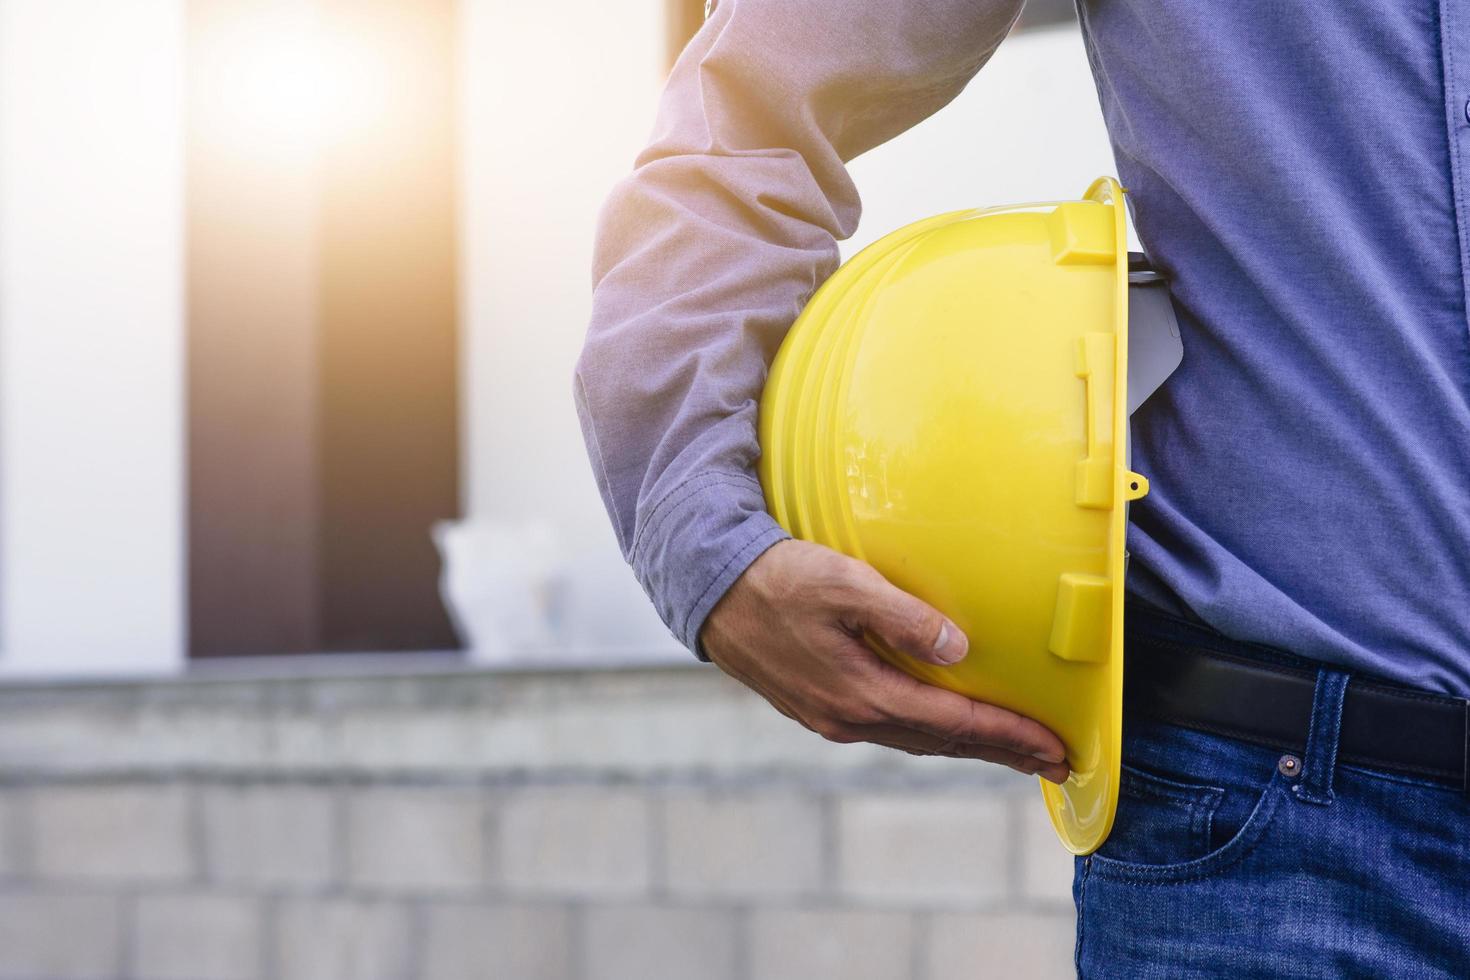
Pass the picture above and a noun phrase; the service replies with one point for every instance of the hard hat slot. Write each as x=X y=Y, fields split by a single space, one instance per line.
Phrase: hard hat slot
x=1155 y=348
x=1095 y=366
x=1141 y=269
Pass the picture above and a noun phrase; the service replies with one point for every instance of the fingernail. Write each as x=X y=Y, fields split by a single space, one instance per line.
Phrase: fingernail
x=1049 y=756
x=950 y=646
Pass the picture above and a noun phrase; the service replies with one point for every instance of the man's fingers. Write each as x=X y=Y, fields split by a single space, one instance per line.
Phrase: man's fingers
x=935 y=711
x=917 y=743
x=908 y=624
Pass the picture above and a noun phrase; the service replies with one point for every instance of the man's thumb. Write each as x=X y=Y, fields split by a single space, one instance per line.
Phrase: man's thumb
x=915 y=627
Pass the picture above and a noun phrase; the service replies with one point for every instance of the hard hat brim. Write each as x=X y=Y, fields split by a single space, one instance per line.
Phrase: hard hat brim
x=1082 y=809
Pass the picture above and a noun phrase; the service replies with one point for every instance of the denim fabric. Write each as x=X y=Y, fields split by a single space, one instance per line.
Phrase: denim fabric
x=1302 y=172
x=1225 y=863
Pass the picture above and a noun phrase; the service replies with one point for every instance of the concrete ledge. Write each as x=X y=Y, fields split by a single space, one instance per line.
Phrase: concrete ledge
x=439 y=719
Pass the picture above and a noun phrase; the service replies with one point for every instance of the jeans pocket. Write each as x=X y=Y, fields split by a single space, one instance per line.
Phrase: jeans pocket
x=1168 y=830
x=1161 y=820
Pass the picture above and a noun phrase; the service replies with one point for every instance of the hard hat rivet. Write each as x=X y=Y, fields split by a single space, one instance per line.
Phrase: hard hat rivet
x=1289 y=765
x=1133 y=485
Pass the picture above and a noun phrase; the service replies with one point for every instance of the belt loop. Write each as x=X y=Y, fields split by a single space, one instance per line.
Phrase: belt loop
x=1321 y=756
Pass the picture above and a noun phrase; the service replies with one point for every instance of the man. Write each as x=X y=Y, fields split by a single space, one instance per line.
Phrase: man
x=1299 y=626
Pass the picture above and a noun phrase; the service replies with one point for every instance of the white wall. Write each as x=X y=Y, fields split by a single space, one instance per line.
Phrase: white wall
x=91 y=329
x=1028 y=128
x=558 y=100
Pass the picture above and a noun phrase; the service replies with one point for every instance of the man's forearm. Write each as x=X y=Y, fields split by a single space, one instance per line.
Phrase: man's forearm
x=708 y=251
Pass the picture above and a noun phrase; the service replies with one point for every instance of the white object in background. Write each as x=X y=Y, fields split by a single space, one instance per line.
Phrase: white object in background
x=91 y=337
x=501 y=584
x=518 y=598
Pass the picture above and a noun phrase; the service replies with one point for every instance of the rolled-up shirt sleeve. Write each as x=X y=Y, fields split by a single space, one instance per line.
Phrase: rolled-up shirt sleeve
x=706 y=253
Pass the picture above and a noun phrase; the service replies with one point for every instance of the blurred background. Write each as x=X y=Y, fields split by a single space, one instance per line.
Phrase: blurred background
x=317 y=655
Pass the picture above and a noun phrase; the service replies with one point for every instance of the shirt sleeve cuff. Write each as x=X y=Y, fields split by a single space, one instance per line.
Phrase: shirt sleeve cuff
x=696 y=542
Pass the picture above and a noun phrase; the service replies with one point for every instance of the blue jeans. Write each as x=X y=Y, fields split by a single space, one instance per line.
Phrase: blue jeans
x=1230 y=860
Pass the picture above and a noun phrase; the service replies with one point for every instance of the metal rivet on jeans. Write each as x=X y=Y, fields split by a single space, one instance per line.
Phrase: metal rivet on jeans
x=1289 y=765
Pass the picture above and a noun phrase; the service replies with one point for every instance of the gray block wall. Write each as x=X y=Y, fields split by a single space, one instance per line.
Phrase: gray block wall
x=441 y=823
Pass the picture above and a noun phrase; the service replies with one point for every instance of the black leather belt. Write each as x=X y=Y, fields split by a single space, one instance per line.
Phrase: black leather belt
x=1384 y=727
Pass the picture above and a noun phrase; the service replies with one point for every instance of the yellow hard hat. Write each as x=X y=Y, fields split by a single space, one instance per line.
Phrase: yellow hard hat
x=952 y=408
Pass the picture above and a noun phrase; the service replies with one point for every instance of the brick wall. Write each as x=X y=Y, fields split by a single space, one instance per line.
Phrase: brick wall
x=446 y=824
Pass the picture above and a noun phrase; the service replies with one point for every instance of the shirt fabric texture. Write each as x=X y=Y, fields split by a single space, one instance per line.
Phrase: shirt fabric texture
x=1302 y=173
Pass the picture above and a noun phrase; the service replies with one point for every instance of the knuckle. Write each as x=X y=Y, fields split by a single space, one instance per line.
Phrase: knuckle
x=921 y=628
x=1009 y=732
x=863 y=705
x=864 y=708
x=815 y=725
x=885 y=699
x=949 y=747
x=828 y=728
x=962 y=726
x=865 y=712
x=837 y=730
x=853 y=580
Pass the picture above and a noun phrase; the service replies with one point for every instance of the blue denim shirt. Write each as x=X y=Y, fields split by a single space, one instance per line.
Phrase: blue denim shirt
x=1302 y=171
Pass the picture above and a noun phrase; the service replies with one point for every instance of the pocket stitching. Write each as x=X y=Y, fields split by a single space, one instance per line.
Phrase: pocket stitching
x=1198 y=801
x=1205 y=820
x=1231 y=852
x=1148 y=786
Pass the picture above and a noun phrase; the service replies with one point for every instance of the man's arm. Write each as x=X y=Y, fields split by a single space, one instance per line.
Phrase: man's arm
x=705 y=255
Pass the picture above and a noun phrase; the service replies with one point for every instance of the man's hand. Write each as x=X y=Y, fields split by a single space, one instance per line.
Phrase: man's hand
x=791 y=628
